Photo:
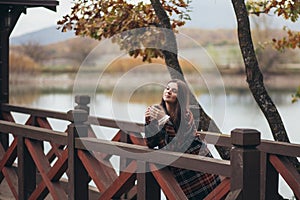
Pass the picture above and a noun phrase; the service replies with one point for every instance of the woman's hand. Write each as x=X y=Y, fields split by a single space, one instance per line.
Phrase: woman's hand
x=158 y=113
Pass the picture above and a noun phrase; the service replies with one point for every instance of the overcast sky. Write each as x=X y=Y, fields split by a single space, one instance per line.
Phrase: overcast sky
x=39 y=18
x=207 y=14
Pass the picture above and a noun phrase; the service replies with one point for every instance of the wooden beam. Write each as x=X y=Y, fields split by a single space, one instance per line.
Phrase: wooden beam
x=122 y=183
x=137 y=152
x=54 y=174
x=42 y=164
x=37 y=133
x=280 y=148
x=4 y=65
x=50 y=4
x=220 y=191
x=167 y=182
x=288 y=173
x=6 y=170
x=11 y=179
x=34 y=111
x=123 y=125
x=100 y=172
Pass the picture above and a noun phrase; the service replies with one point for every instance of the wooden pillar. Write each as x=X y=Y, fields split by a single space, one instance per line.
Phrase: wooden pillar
x=77 y=174
x=245 y=162
x=147 y=186
x=8 y=19
x=4 y=65
x=4 y=57
x=26 y=170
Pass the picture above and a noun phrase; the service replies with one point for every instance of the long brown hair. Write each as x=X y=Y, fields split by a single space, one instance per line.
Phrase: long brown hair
x=181 y=104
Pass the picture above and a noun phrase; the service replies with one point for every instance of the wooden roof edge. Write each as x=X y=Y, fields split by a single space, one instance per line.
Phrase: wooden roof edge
x=49 y=4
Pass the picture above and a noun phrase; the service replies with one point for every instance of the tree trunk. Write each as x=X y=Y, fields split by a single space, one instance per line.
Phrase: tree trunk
x=171 y=59
x=255 y=77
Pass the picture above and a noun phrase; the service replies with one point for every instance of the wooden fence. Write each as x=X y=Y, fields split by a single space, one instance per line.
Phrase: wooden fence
x=78 y=165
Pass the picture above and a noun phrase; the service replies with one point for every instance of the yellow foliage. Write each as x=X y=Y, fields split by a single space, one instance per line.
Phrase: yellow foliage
x=20 y=64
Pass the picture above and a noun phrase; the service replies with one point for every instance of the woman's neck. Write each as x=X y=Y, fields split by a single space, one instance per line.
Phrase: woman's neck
x=170 y=108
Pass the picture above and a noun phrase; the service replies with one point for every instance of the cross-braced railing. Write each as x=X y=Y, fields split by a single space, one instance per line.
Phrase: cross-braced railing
x=75 y=159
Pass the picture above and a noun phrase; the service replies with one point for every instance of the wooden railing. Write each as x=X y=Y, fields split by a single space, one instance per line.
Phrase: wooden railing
x=77 y=157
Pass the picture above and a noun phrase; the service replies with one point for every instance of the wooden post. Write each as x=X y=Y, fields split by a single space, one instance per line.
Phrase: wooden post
x=26 y=170
x=245 y=162
x=82 y=102
x=8 y=19
x=77 y=174
x=4 y=56
x=147 y=186
x=271 y=181
x=124 y=162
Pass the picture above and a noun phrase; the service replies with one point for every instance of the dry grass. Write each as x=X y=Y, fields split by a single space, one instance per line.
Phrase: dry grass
x=22 y=64
x=123 y=65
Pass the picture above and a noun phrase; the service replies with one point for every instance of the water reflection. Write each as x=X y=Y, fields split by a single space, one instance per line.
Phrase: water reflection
x=27 y=94
x=24 y=95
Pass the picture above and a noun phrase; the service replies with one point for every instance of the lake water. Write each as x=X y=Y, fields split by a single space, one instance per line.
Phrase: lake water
x=233 y=109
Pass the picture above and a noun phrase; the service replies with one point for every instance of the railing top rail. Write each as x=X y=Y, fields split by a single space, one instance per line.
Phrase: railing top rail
x=37 y=133
x=34 y=111
x=163 y=157
x=267 y=146
x=118 y=124
x=280 y=148
x=218 y=139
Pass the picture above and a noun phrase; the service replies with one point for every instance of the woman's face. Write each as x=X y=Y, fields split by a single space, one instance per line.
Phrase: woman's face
x=170 y=93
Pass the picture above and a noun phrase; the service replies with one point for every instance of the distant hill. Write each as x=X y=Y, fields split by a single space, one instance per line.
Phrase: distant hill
x=44 y=36
x=51 y=35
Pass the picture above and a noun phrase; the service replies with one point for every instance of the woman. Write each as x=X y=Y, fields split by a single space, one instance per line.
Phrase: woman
x=170 y=126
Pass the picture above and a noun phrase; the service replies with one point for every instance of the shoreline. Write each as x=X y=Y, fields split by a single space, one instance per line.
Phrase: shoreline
x=110 y=81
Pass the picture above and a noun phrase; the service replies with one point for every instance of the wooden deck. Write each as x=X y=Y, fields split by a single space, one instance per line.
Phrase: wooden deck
x=5 y=192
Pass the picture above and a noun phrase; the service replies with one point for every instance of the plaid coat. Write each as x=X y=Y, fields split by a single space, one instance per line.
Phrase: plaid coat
x=195 y=185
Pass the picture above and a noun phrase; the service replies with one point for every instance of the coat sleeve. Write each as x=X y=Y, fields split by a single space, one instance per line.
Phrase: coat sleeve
x=155 y=134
